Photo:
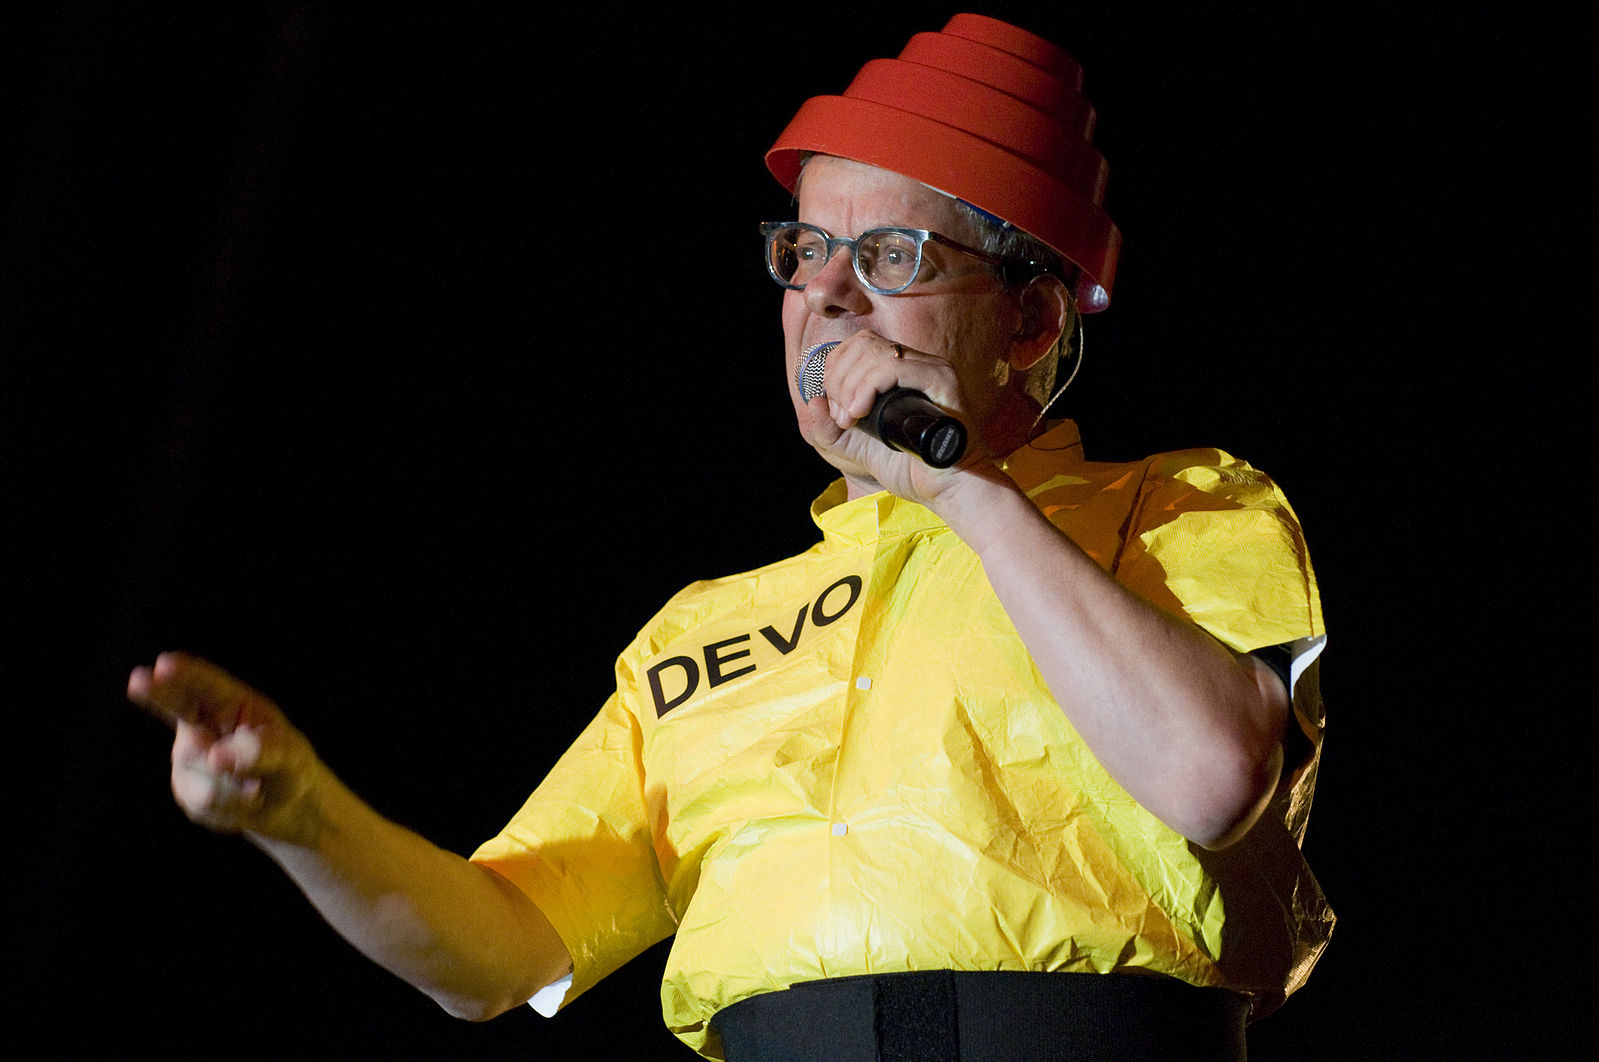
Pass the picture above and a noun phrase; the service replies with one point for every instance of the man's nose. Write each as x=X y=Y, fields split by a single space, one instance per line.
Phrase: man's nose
x=836 y=290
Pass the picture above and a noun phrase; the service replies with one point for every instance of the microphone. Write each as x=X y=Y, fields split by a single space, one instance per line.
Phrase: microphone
x=902 y=418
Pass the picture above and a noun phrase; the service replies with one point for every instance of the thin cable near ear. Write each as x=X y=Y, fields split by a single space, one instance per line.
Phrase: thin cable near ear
x=1074 y=348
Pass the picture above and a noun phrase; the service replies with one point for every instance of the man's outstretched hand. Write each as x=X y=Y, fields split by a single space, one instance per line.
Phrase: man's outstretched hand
x=237 y=764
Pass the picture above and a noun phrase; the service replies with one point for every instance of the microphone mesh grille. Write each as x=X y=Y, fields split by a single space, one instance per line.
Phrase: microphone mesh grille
x=810 y=370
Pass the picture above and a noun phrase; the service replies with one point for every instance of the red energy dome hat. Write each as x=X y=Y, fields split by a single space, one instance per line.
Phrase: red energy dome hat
x=986 y=112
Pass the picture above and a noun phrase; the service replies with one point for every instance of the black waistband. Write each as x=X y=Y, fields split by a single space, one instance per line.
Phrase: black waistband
x=1001 y=1016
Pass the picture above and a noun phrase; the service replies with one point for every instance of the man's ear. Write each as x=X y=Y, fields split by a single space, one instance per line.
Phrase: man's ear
x=1048 y=311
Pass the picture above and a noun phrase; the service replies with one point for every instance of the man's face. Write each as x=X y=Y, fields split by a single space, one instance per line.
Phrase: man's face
x=958 y=309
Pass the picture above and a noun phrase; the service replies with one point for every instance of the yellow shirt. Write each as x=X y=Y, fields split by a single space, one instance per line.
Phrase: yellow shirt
x=846 y=763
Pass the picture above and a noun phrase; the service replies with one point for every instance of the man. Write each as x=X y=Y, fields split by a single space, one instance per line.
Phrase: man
x=1006 y=766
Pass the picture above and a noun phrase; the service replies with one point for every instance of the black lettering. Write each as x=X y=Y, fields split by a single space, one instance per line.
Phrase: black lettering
x=691 y=672
x=822 y=619
x=786 y=645
x=719 y=655
x=715 y=658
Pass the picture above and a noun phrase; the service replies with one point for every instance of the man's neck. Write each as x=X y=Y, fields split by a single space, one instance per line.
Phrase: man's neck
x=859 y=487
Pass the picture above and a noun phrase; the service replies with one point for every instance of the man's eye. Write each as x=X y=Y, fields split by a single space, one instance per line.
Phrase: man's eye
x=810 y=248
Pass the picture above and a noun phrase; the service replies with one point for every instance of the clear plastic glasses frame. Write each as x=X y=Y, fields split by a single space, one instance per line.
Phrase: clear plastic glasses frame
x=887 y=260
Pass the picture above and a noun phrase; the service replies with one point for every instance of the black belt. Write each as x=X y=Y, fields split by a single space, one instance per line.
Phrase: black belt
x=999 y=1016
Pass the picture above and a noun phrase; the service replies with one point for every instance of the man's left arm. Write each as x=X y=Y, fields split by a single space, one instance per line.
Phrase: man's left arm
x=1190 y=729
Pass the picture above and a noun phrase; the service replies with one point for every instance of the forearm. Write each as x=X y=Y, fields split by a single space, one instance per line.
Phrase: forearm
x=455 y=930
x=1190 y=730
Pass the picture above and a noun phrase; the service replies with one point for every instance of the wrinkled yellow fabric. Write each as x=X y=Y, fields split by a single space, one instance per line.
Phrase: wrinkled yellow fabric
x=846 y=763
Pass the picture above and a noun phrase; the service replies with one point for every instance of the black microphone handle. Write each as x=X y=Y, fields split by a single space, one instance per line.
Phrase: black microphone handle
x=907 y=420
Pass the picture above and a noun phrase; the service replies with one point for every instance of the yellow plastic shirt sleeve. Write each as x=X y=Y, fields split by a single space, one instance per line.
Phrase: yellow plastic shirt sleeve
x=580 y=849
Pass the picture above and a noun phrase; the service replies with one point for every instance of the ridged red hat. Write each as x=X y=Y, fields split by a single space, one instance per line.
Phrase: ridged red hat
x=986 y=112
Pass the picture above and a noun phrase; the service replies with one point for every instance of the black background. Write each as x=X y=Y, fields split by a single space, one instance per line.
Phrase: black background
x=405 y=361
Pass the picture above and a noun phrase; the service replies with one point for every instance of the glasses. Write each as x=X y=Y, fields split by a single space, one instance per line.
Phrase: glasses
x=887 y=260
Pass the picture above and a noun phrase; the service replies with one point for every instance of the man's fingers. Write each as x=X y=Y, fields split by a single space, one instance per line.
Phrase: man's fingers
x=167 y=689
x=139 y=683
x=219 y=800
x=242 y=752
x=218 y=781
x=187 y=688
